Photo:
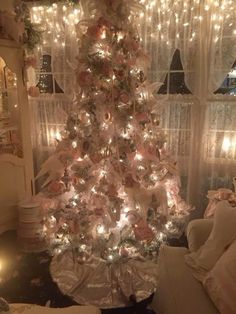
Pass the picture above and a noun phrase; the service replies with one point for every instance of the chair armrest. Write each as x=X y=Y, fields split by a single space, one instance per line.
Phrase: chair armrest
x=198 y=231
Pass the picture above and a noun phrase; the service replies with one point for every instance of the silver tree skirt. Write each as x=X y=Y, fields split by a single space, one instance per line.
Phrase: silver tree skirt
x=106 y=285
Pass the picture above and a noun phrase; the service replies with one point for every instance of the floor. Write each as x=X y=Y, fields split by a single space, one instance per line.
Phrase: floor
x=25 y=278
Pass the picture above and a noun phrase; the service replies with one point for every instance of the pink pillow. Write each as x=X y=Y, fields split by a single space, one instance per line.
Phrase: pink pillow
x=222 y=235
x=220 y=282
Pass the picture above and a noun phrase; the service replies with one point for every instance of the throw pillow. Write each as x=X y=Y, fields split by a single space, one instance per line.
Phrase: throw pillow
x=220 y=282
x=222 y=235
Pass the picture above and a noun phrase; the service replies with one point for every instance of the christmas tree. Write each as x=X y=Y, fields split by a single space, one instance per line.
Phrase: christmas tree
x=112 y=189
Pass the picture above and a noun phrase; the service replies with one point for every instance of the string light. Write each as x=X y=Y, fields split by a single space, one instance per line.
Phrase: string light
x=100 y=229
x=155 y=10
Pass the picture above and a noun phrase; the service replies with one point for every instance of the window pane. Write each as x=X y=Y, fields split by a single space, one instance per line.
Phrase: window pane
x=176 y=64
x=177 y=84
x=229 y=84
x=46 y=80
x=174 y=82
x=221 y=135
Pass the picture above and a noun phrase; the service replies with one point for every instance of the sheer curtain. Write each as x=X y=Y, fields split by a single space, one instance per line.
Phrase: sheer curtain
x=204 y=32
x=54 y=76
x=197 y=121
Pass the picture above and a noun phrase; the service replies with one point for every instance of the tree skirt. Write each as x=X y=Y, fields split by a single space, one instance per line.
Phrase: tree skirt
x=105 y=285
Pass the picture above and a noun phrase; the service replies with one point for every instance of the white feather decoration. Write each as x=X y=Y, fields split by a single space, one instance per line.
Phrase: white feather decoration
x=53 y=167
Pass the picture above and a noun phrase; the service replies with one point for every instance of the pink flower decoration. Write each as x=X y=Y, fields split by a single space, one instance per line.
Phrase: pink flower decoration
x=94 y=31
x=98 y=211
x=33 y=91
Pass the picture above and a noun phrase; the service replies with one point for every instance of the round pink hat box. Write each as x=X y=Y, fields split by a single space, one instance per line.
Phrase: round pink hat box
x=29 y=212
x=30 y=235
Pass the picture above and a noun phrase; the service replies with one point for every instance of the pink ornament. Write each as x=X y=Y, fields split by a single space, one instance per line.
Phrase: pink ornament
x=143 y=232
x=133 y=217
x=142 y=117
x=124 y=98
x=124 y=252
x=85 y=78
x=56 y=187
x=49 y=203
x=33 y=91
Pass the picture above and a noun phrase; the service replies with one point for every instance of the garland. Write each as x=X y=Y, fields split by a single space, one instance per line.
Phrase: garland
x=32 y=35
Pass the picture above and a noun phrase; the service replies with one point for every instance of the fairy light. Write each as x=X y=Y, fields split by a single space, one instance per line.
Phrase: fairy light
x=74 y=144
x=59 y=22
x=138 y=156
x=218 y=11
x=100 y=229
x=110 y=257
x=161 y=236
x=103 y=35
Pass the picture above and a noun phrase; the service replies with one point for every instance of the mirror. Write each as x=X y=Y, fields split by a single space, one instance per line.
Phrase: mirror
x=10 y=128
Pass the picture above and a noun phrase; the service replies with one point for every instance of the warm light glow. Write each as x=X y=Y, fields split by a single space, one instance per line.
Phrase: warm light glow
x=74 y=144
x=168 y=225
x=55 y=135
x=100 y=229
x=138 y=156
x=226 y=144
x=110 y=257
x=103 y=35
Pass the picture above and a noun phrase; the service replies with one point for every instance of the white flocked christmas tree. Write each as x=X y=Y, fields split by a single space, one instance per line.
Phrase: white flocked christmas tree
x=112 y=189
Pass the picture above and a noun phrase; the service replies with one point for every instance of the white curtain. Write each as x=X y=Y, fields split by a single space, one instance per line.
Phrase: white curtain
x=204 y=32
x=197 y=125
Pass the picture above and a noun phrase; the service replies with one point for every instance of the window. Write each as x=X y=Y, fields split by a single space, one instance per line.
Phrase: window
x=174 y=81
x=176 y=114
x=220 y=115
x=47 y=82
